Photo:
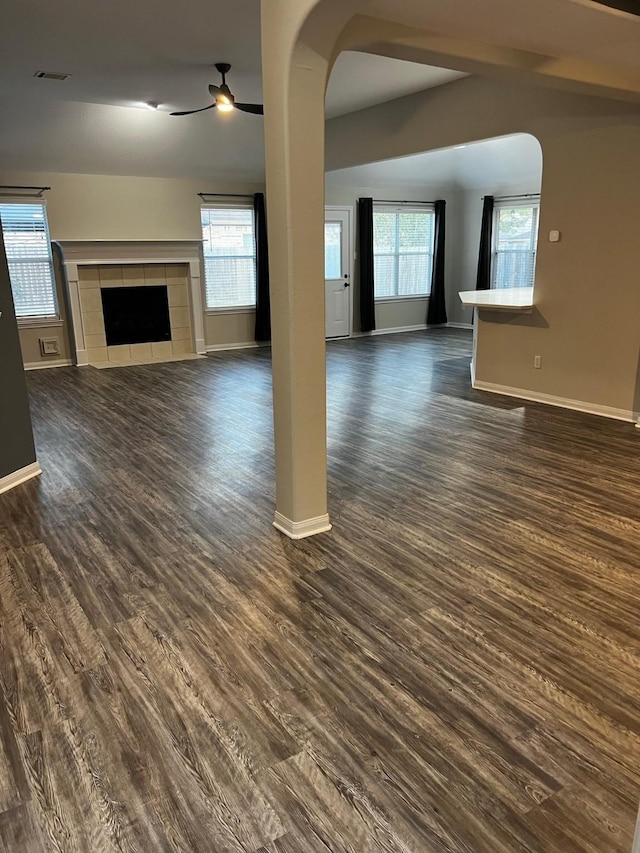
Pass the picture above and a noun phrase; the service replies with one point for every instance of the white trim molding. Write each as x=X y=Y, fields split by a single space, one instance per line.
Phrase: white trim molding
x=19 y=476
x=468 y=326
x=239 y=345
x=301 y=529
x=394 y=330
x=42 y=365
x=560 y=402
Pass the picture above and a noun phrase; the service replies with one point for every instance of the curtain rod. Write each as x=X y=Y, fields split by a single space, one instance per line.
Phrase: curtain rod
x=226 y=195
x=520 y=195
x=38 y=190
x=399 y=201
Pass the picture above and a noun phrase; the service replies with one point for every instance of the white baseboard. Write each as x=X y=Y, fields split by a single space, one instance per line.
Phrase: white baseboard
x=561 y=402
x=19 y=476
x=394 y=330
x=244 y=345
x=41 y=365
x=301 y=529
x=460 y=326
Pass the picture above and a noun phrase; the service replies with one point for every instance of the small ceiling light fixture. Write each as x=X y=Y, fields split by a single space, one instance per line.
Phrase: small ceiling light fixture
x=224 y=103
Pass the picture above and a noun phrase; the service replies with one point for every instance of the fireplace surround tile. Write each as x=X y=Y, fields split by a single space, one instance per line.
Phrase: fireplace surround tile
x=97 y=354
x=94 y=265
x=180 y=347
x=179 y=318
x=92 y=300
x=140 y=351
x=183 y=334
x=93 y=341
x=93 y=322
x=133 y=275
x=178 y=295
x=161 y=349
x=110 y=276
x=120 y=353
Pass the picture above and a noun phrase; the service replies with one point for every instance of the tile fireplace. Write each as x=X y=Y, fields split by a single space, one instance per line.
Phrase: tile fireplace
x=134 y=302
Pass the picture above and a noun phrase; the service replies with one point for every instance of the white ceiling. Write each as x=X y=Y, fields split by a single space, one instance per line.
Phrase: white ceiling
x=123 y=53
x=572 y=29
x=508 y=163
x=360 y=80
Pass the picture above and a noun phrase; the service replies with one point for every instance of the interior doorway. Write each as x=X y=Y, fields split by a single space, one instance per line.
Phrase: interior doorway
x=337 y=271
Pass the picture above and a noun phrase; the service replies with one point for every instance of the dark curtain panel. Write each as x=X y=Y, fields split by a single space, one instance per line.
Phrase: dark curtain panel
x=365 y=265
x=437 y=311
x=483 y=281
x=263 y=305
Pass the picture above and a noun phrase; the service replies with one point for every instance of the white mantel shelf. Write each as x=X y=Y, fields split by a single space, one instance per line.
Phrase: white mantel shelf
x=501 y=299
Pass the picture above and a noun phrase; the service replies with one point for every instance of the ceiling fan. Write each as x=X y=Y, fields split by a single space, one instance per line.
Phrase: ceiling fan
x=224 y=100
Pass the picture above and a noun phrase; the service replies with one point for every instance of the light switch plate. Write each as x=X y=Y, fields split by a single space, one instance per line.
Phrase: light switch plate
x=554 y=236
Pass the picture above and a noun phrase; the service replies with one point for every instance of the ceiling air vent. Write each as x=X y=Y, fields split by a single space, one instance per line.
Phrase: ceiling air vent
x=51 y=75
x=630 y=6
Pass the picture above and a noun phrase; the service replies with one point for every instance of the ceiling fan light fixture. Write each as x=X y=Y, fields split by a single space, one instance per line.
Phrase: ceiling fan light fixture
x=224 y=103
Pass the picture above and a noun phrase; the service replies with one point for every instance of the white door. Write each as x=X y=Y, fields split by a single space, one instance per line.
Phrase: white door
x=337 y=276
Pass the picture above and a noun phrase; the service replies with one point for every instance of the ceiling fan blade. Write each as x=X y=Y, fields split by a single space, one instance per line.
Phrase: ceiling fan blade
x=256 y=109
x=214 y=90
x=191 y=112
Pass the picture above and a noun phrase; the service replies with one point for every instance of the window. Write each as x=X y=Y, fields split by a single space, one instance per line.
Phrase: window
x=28 y=248
x=402 y=251
x=229 y=257
x=515 y=236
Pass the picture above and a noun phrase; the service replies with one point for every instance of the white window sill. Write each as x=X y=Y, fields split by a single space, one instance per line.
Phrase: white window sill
x=26 y=322
x=241 y=309
x=401 y=298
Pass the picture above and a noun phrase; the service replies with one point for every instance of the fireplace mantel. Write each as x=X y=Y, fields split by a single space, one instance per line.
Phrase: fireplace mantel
x=101 y=253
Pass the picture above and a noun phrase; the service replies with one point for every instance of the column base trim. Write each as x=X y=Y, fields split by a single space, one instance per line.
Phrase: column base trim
x=301 y=529
x=19 y=476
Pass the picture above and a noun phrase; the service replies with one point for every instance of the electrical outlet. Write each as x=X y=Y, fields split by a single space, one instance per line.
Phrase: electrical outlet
x=50 y=346
x=537 y=361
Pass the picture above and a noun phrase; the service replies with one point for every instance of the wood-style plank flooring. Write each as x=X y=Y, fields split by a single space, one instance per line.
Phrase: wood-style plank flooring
x=455 y=667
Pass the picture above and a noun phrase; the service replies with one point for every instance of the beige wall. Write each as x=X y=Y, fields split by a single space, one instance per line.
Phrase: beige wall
x=587 y=321
x=30 y=334
x=103 y=207
x=230 y=329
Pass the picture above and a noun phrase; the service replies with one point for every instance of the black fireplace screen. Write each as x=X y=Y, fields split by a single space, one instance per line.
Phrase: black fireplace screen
x=136 y=315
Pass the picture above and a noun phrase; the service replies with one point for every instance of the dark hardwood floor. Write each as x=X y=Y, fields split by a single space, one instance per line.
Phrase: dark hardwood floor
x=455 y=667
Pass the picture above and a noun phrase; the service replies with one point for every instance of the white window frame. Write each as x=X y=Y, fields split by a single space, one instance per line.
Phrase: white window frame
x=382 y=207
x=37 y=319
x=233 y=309
x=508 y=204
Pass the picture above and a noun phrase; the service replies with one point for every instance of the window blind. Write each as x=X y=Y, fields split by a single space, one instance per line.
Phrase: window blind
x=516 y=237
x=229 y=248
x=402 y=252
x=28 y=248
